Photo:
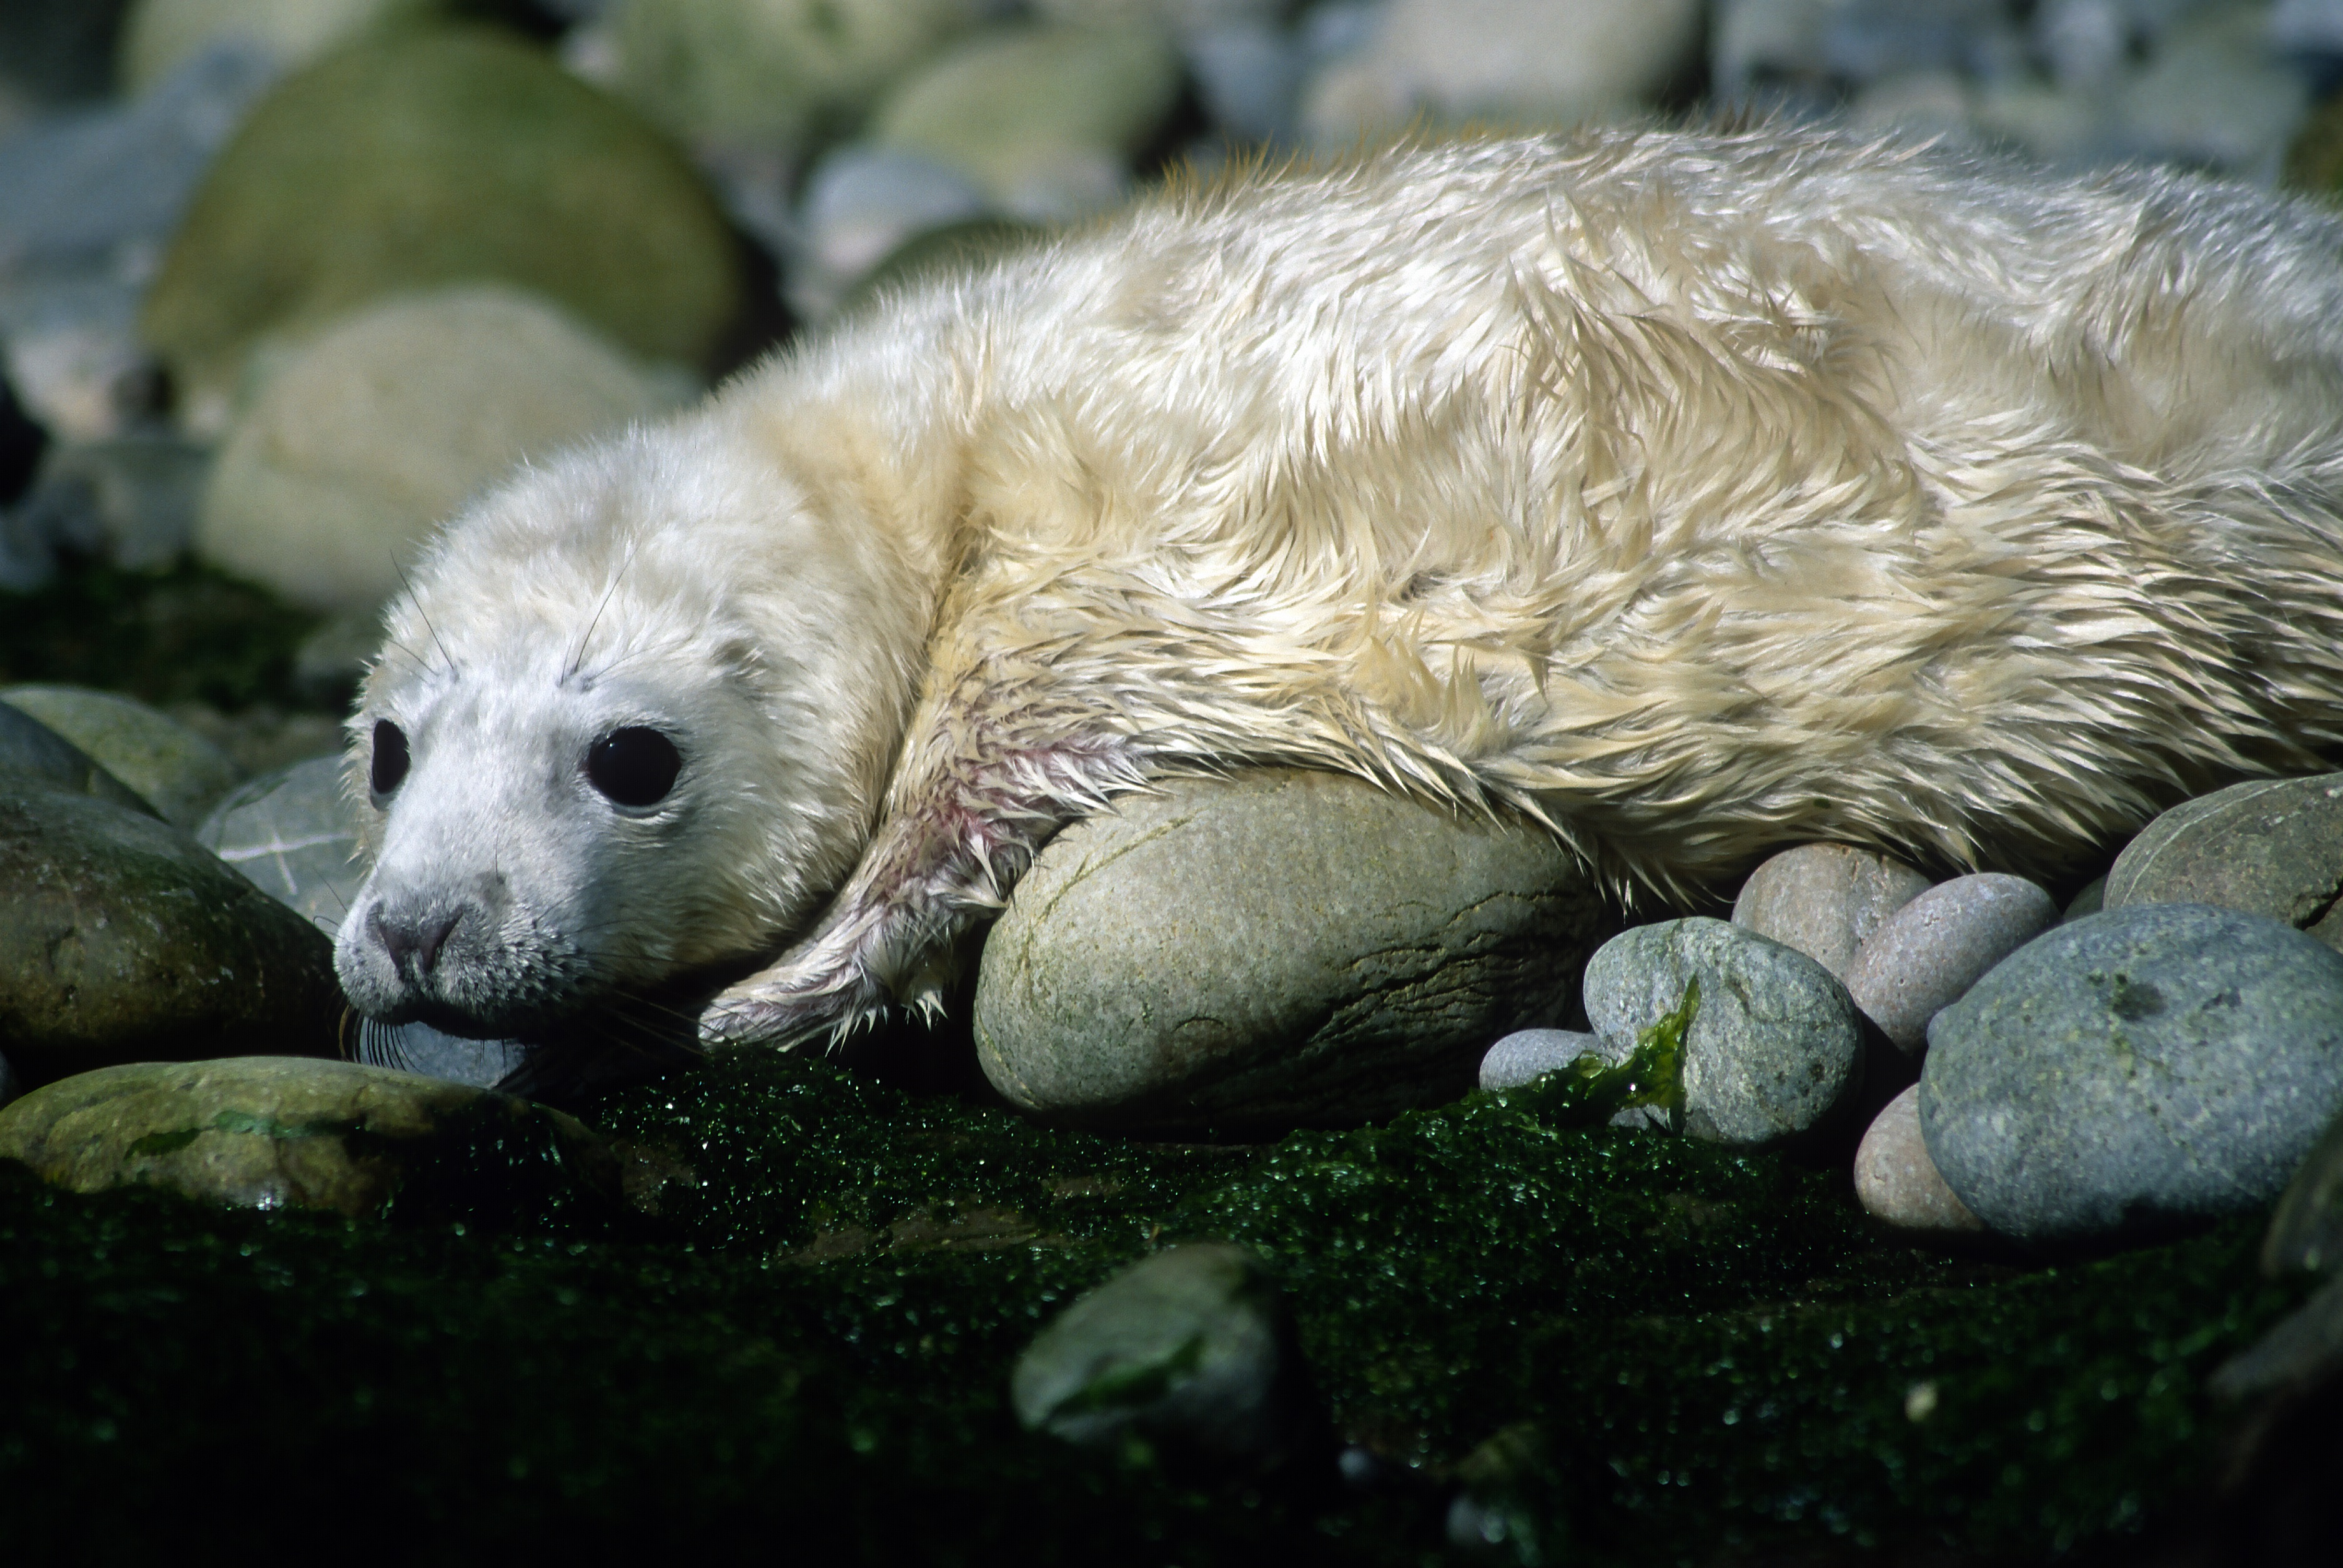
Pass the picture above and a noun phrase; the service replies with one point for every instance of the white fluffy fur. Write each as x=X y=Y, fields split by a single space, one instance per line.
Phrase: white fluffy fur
x=1697 y=493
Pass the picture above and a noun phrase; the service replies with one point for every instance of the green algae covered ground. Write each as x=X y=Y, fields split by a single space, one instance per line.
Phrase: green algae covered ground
x=1636 y=1349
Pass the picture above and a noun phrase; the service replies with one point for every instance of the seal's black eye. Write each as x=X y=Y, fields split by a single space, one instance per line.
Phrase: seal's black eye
x=389 y=757
x=634 y=765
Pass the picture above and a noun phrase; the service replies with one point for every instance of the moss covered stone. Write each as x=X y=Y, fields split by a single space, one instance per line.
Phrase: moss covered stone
x=122 y=939
x=434 y=156
x=177 y=772
x=271 y=1132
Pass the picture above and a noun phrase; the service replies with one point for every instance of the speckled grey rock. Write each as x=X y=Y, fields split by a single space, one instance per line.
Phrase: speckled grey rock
x=291 y=831
x=1192 y=1350
x=122 y=939
x=1825 y=898
x=1529 y=1054
x=2137 y=1070
x=2273 y=847
x=1897 y=1182
x=1774 y=1048
x=1276 y=949
x=1927 y=953
x=2090 y=901
x=31 y=748
x=174 y=770
x=269 y=1132
x=2306 y=1233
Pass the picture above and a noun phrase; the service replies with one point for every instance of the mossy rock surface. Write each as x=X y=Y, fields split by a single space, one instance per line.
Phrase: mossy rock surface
x=432 y=156
x=2314 y=162
x=272 y=1132
x=172 y=768
x=1692 y=1355
x=123 y=939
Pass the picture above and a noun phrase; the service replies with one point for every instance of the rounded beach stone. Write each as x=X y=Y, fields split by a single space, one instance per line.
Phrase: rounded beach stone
x=174 y=770
x=1276 y=949
x=1927 y=953
x=364 y=439
x=1775 y=1046
x=1825 y=898
x=768 y=72
x=861 y=203
x=1524 y=63
x=2137 y=1070
x=2306 y=1232
x=2273 y=847
x=292 y=832
x=32 y=748
x=1045 y=120
x=160 y=35
x=1191 y=1349
x=122 y=939
x=270 y=1133
x=129 y=499
x=435 y=156
x=1529 y=1054
x=1895 y=1179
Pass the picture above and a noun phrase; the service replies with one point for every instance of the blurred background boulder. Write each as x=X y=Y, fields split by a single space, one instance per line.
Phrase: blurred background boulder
x=433 y=157
x=358 y=441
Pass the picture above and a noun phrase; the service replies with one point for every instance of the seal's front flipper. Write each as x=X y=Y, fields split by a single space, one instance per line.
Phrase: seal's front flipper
x=990 y=770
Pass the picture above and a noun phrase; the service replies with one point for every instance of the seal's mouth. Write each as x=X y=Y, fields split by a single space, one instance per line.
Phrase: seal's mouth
x=624 y=1041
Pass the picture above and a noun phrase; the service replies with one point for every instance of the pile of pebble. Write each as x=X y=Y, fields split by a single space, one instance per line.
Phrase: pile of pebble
x=2164 y=1054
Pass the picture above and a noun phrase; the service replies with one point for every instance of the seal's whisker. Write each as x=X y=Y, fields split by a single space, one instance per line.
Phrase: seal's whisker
x=578 y=654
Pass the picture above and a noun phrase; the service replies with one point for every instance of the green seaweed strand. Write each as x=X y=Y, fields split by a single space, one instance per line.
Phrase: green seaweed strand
x=1591 y=1090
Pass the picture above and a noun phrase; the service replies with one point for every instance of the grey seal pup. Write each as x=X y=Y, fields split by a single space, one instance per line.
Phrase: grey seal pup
x=1694 y=493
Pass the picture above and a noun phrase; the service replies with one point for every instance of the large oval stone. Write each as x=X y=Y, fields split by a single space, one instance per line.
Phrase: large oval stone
x=2273 y=847
x=2137 y=1070
x=368 y=434
x=122 y=939
x=171 y=768
x=1279 y=948
x=433 y=157
x=271 y=1132
x=31 y=748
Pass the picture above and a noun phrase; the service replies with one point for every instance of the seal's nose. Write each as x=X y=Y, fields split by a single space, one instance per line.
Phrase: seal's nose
x=413 y=942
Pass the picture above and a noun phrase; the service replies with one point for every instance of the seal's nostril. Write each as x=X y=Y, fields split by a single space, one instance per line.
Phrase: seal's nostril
x=412 y=945
x=434 y=934
x=395 y=941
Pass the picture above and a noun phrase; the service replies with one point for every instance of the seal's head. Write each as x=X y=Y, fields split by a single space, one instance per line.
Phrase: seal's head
x=620 y=729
